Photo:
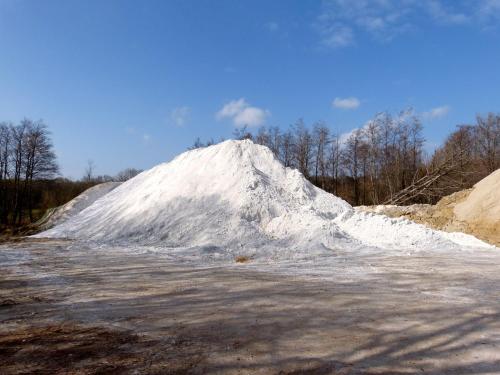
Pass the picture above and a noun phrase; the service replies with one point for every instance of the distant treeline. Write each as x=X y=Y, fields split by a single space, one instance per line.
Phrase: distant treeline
x=26 y=156
x=377 y=162
x=45 y=194
x=29 y=182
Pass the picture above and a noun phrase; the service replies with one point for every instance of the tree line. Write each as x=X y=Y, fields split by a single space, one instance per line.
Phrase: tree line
x=26 y=156
x=375 y=163
x=473 y=149
x=29 y=174
x=89 y=176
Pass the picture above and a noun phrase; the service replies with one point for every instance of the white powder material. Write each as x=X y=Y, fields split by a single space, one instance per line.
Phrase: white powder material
x=237 y=195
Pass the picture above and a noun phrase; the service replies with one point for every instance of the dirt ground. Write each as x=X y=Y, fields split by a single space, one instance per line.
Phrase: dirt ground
x=66 y=308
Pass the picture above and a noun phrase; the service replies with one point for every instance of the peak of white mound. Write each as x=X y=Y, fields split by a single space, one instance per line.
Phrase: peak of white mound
x=233 y=195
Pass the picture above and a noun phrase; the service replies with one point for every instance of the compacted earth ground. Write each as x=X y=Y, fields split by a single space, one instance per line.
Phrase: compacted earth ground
x=70 y=308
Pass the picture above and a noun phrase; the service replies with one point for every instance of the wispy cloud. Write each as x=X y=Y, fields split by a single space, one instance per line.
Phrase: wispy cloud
x=242 y=113
x=398 y=118
x=146 y=138
x=446 y=15
x=346 y=103
x=489 y=12
x=437 y=112
x=272 y=26
x=340 y=22
x=180 y=115
x=337 y=35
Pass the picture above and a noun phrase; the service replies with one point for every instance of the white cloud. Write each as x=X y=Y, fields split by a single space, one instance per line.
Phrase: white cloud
x=445 y=15
x=146 y=138
x=437 y=112
x=402 y=116
x=346 y=103
x=180 y=115
x=489 y=6
x=489 y=11
x=340 y=22
x=345 y=136
x=337 y=36
x=241 y=113
x=232 y=108
x=251 y=116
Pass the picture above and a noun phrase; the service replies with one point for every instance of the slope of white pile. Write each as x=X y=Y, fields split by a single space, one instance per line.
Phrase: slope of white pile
x=62 y=213
x=236 y=195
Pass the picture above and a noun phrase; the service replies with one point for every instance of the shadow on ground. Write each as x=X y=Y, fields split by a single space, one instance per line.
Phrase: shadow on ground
x=103 y=313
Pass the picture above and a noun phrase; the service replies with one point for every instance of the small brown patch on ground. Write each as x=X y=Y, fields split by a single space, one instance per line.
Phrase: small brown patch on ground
x=242 y=259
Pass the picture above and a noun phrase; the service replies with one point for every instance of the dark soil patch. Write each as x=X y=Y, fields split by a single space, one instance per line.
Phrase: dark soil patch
x=77 y=349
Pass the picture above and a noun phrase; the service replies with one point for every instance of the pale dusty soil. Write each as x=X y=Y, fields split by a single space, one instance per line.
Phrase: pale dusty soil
x=69 y=309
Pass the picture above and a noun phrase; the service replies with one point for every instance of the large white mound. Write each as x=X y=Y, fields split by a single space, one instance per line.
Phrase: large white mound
x=237 y=195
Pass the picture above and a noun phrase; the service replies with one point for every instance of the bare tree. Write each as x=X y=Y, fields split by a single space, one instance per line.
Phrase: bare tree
x=334 y=159
x=40 y=159
x=88 y=175
x=18 y=153
x=303 y=147
x=262 y=137
x=275 y=140
x=374 y=149
x=474 y=150
x=488 y=138
x=320 y=140
x=127 y=174
x=351 y=160
x=287 y=144
x=242 y=133
x=26 y=154
x=197 y=144
x=5 y=147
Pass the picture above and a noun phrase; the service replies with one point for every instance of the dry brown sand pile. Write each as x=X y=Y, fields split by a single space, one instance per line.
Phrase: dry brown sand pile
x=475 y=211
x=482 y=206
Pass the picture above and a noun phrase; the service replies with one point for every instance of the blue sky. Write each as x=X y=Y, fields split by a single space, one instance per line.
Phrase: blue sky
x=133 y=83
